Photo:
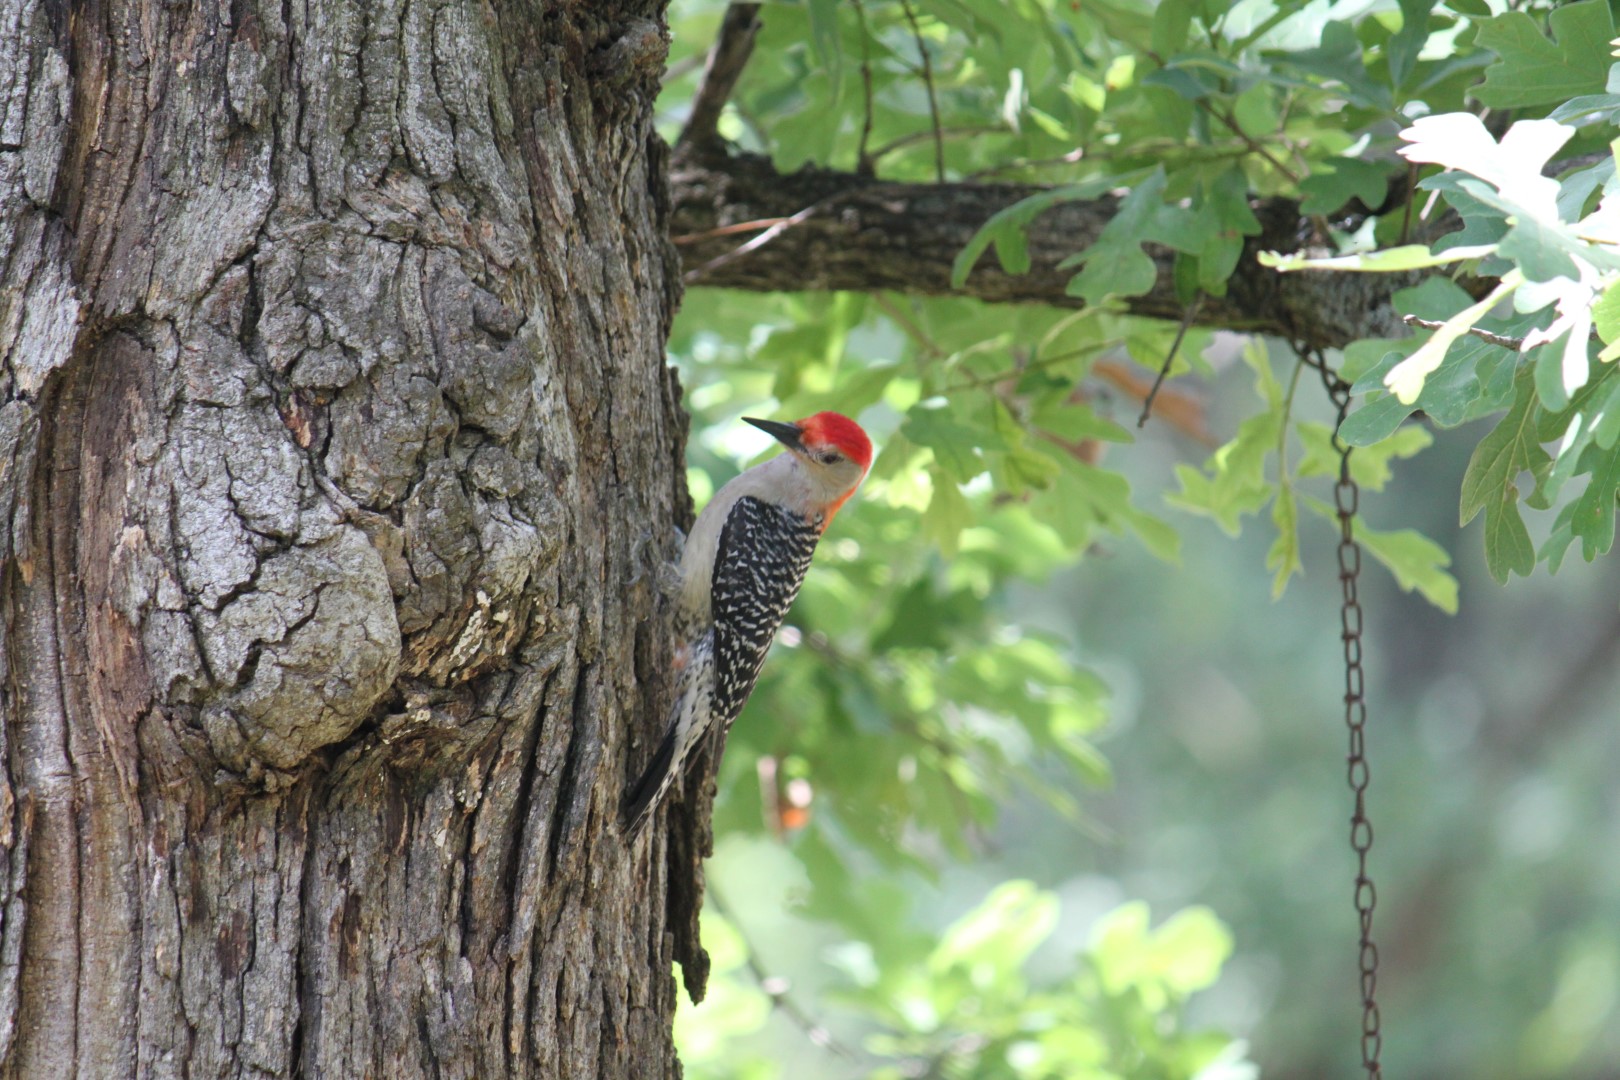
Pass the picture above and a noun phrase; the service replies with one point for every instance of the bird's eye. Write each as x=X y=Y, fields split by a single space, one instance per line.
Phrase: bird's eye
x=827 y=457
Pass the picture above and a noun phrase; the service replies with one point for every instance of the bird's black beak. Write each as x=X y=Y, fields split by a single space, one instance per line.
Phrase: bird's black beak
x=786 y=434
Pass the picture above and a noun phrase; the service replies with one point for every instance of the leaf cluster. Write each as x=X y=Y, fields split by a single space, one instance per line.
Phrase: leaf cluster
x=1539 y=347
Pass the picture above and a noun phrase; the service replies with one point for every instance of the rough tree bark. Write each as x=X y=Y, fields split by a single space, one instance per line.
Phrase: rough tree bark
x=336 y=451
x=333 y=410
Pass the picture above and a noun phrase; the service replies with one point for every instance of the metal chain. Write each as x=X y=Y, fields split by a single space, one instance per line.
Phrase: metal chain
x=1346 y=498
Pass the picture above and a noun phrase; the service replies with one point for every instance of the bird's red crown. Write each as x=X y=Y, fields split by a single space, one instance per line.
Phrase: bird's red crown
x=836 y=429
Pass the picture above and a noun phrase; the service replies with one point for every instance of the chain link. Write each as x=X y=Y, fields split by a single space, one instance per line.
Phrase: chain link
x=1346 y=498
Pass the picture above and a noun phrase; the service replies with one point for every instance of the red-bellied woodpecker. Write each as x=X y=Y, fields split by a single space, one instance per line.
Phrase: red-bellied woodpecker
x=740 y=571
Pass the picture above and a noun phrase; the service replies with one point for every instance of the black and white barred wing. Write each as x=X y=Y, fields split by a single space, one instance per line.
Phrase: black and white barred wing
x=764 y=553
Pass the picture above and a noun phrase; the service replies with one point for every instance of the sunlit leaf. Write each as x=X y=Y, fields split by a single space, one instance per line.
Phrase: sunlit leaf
x=1409 y=257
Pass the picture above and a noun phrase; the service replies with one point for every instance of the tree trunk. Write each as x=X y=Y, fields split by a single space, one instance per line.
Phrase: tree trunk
x=337 y=449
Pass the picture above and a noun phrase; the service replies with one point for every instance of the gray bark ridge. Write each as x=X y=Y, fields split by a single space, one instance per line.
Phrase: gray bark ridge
x=333 y=418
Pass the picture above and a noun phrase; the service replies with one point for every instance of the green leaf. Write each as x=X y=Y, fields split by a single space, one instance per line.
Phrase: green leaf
x=1559 y=540
x=955 y=445
x=1576 y=188
x=1378 y=418
x=1536 y=71
x=1179 y=81
x=1510 y=449
x=1116 y=264
x=948 y=513
x=1085 y=498
x=1592 y=418
x=1234 y=482
x=1587 y=109
x=1490 y=484
x=1406 y=379
x=993 y=940
x=1606 y=314
x=1408 y=42
x=963 y=17
x=1336 y=181
x=1226 y=205
x=1171 y=21
x=1369 y=466
x=1540 y=249
x=1339 y=58
x=1507 y=540
x=824 y=38
x=1076 y=421
x=1006 y=229
x=1190 y=948
x=1020 y=469
x=1416 y=561
x=1593 y=517
x=923 y=618
x=1283 y=558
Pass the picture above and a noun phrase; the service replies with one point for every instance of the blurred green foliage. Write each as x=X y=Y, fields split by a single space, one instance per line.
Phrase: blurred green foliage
x=918 y=696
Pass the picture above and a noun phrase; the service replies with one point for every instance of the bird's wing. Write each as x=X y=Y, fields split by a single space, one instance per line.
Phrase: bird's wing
x=764 y=553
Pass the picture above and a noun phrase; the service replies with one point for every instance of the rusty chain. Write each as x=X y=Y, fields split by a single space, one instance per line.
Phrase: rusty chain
x=1346 y=499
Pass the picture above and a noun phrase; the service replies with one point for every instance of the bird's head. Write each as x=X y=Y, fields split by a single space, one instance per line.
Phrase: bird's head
x=833 y=450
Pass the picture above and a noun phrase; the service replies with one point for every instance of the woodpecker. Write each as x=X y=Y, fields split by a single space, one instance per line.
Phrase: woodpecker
x=740 y=571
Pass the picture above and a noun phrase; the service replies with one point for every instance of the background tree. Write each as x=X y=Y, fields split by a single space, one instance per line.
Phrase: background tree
x=338 y=453
x=1135 y=160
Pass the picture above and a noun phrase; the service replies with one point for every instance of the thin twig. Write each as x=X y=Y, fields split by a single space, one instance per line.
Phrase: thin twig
x=863 y=162
x=1013 y=373
x=1187 y=317
x=915 y=332
x=726 y=61
x=928 y=81
x=1254 y=144
x=1514 y=343
x=782 y=226
x=1226 y=118
x=900 y=142
x=680 y=69
x=1284 y=481
x=727 y=230
x=1406 y=211
x=1071 y=158
x=1164 y=147
x=1183 y=412
x=777 y=988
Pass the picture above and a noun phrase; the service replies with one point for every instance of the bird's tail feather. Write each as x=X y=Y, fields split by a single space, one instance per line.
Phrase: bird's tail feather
x=688 y=723
x=660 y=773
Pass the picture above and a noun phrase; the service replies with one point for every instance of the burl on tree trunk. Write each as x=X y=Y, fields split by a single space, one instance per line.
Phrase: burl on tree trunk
x=336 y=447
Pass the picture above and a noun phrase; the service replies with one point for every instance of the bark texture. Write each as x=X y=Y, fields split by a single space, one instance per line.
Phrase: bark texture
x=333 y=410
x=861 y=233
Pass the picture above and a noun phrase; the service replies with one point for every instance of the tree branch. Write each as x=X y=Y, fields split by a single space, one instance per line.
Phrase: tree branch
x=865 y=234
x=1514 y=343
x=727 y=58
